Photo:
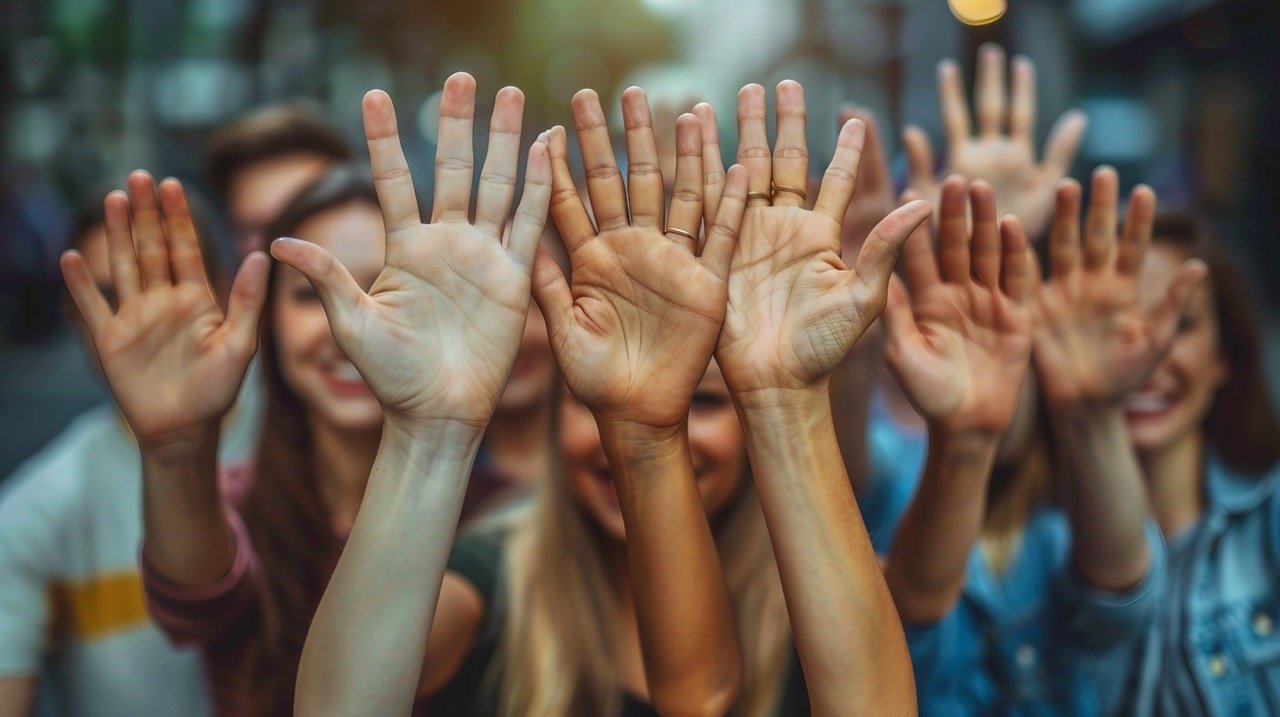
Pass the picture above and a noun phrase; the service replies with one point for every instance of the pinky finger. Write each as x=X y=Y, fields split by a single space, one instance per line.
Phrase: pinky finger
x=89 y=299
x=713 y=176
x=1016 y=268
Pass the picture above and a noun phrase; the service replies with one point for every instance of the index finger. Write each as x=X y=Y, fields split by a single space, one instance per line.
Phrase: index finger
x=391 y=177
x=604 y=181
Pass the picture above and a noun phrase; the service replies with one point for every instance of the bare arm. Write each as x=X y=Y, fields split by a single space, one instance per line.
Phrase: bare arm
x=836 y=593
x=1094 y=344
x=795 y=311
x=633 y=334
x=959 y=347
x=365 y=650
x=17 y=696
x=174 y=363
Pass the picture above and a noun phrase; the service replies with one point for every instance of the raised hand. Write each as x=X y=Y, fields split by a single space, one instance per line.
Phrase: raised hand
x=795 y=307
x=1003 y=153
x=436 y=334
x=635 y=330
x=960 y=344
x=173 y=360
x=1094 y=342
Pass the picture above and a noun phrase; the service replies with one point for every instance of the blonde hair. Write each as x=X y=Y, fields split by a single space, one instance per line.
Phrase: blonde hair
x=555 y=654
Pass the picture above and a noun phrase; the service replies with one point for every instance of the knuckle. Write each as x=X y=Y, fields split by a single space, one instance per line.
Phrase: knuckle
x=603 y=171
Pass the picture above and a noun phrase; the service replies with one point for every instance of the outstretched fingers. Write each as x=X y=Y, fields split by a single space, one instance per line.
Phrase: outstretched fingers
x=88 y=298
x=753 y=145
x=148 y=230
x=685 y=217
x=1017 y=262
x=121 y=254
x=712 y=161
x=501 y=164
x=790 y=169
x=842 y=174
x=455 y=160
x=604 y=180
x=390 y=169
x=566 y=206
x=722 y=234
x=531 y=215
x=1139 y=222
x=184 y=244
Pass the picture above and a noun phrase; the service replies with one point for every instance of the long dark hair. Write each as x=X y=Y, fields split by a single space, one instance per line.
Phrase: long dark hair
x=1241 y=427
x=288 y=522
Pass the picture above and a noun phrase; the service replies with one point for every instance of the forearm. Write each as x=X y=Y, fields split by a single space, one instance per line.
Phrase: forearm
x=1107 y=502
x=365 y=649
x=692 y=658
x=187 y=536
x=848 y=635
x=17 y=696
x=852 y=384
x=926 y=568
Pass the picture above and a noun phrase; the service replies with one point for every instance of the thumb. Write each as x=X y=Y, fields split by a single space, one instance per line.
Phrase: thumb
x=1164 y=319
x=339 y=292
x=874 y=263
x=248 y=293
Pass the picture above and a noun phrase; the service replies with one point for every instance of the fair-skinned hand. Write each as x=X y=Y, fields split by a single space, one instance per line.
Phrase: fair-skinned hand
x=1094 y=343
x=436 y=334
x=173 y=360
x=1003 y=152
x=960 y=343
x=634 y=330
x=795 y=308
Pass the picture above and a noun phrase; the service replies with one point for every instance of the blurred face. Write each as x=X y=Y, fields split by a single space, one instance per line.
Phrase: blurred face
x=1174 y=402
x=715 y=442
x=310 y=360
x=259 y=191
x=530 y=382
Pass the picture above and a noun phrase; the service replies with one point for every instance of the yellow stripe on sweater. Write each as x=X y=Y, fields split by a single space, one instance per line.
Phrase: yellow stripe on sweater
x=98 y=607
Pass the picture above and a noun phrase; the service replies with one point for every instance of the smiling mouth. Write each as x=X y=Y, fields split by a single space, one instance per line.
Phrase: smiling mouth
x=344 y=380
x=1147 y=405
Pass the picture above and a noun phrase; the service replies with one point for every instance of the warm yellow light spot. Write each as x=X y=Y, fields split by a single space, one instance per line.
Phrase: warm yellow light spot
x=978 y=12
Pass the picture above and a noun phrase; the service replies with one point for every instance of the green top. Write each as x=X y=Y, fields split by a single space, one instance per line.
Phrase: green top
x=478 y=559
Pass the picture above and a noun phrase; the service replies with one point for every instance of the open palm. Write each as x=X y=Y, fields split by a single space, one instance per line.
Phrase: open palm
x=960 y=344
x=795 y=308
x=634 y=332
x=437 y=333
x=173 y=360
x=1094 y=341
x=1003 y=153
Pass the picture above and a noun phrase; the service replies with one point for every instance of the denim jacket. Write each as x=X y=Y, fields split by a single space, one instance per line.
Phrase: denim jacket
x=1225 y=618
x=1034 y=640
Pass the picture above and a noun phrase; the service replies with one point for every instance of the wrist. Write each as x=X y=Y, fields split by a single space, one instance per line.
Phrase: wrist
x=444 y=437
x=771 y=401
x=637 y=441
x=180 y=446
x=960 y=442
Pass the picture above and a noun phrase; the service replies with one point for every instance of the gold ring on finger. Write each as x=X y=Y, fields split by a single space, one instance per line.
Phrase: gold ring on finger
x=790 y=190
x=683 y=233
